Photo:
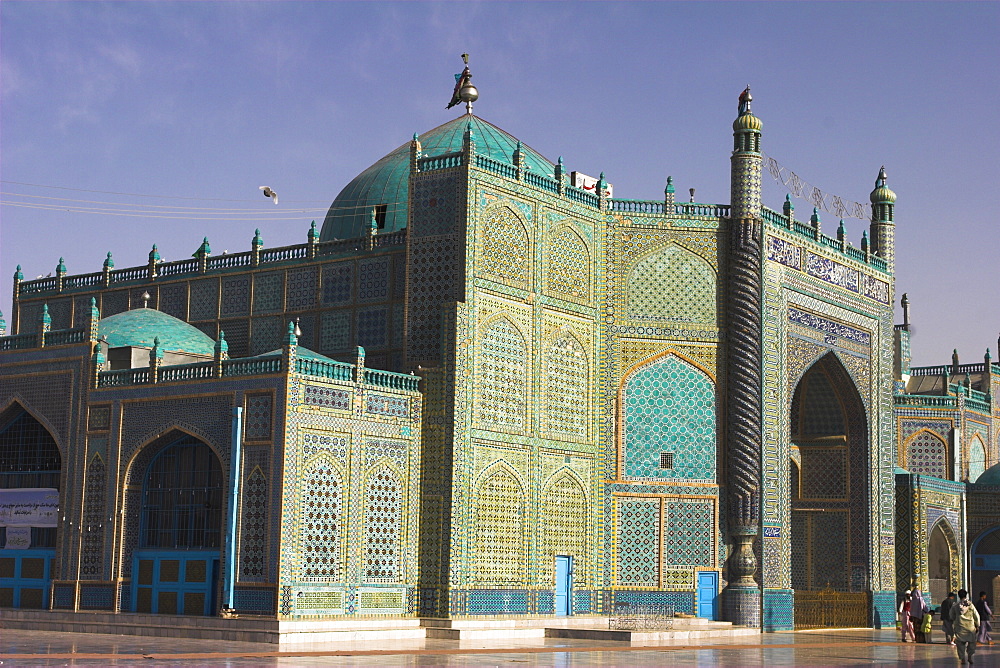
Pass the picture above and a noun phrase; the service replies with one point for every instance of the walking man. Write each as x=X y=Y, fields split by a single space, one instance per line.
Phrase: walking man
x=946 y=606
x=985 y=615
x=965 y=619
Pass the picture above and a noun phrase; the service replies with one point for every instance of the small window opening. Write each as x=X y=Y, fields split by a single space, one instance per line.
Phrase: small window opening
x=666 y=460
x=380 y=211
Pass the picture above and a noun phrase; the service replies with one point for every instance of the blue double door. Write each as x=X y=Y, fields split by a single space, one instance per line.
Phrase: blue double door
x=177 y=582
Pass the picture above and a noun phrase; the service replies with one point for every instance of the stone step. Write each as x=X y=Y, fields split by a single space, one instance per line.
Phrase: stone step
x=650 y=637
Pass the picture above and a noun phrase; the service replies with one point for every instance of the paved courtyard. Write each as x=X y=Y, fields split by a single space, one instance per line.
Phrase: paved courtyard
x=828 y=648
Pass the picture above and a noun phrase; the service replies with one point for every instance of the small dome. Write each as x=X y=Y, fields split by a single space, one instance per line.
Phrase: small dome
x=990 y=476
x=747 y=122
x=387 y=182
x=138 y=328
x=882 y=194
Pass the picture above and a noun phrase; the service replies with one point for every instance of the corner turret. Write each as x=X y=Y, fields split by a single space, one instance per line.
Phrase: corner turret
x=883 y=215
x=745 y=182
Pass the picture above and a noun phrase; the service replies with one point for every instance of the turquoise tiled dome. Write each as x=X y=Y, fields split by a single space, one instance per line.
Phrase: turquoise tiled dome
x=989 y=477
x=140 y=326
x=387 y=181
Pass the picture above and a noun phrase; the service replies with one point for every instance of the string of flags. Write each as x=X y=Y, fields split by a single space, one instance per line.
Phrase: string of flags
x=838 y=206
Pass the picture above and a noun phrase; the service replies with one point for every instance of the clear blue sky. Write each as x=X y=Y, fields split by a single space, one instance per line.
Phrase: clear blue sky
x=207 y=101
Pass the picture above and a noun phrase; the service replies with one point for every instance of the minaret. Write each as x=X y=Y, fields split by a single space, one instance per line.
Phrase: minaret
x=741 y=598
x=882 y=230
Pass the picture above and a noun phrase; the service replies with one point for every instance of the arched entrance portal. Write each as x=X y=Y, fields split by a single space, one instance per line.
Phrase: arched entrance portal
x=31 y=464
x=986 y=567
x=175 y=567
x=941 y=551
x=830 y=527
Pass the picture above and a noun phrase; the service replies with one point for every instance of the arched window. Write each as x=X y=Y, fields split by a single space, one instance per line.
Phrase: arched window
x=383 y=526
x=672 y=284
x=321 y=522
x=182 y=498
x=29 y=457
x=499 y=557
x=669 y=412
x=503 y=376
x=926 y=454
x=566 y=386
x=568 y=266
x=563 y=525
x=506 y=253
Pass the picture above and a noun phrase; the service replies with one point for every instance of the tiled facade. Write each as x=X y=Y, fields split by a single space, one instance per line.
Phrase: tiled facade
x=583 y=364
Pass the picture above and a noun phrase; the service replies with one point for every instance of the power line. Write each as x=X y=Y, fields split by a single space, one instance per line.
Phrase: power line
x=112 y=192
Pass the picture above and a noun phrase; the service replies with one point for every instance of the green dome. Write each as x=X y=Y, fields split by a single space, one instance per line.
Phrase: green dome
x=990 y=476
x=747 y=122
x=387 y=181
x=140 y=326
x=882 y=194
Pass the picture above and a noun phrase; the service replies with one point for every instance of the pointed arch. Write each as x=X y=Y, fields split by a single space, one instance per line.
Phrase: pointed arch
x=673 y=284
x=943 y=558
x=829 y=427
x=977 y=457
x=17 y=405
x=498 y=553
x=568 y=265
x=667 y=420
x=926 y=453
x=383 y=524
x=566 y=387
x=505 y=248
x=563 y=523
x=502 y=371
x=322 y=512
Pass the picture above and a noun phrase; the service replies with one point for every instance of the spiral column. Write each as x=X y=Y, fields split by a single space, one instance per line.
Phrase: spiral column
x=741 y=599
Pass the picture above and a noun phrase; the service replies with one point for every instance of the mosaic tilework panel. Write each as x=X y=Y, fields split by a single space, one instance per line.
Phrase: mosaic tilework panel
x=819 y=550
x=338 y=283
x=254 y=601
x=257 y=417
x=99 y=418
x=827 y=326
x=502 y=399
x=398 y=314
x=827 y=270
x=499 y=556
x=321 y=523
x=383 y=522
x=335 y=332
x=236 y=296
x=211 y=329
x=563 y=526
x=779 y=610
x=301 y=288
x=96 y=597
x=372 y=328
x=204 y=299
x=327 y=397
x=495 y=602
x=433 y=276
x=506 y=253
x=568 y=266
x=268 y=292
x=824 y=473
x=382 y=404
x=977 y=458
x=112 y=303
x=638 y=542
x=92 y=548
x=307 y=325
x=253 y=528
x=926 y=454
x=60 y=312
x=682 y=601
x=333 y=445
x=399 y=277
x=62 y=597
x=692 y=294
x=669 y=406
x=237 y=336
x=377 y=449
x=435 y=202
x=373 y=280
x=689 y=533
x=266 y=335
x=81 y=312
x=173 y=300
x=566 y=389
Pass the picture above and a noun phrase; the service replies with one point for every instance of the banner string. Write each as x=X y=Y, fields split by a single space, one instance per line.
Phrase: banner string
x=838 y=206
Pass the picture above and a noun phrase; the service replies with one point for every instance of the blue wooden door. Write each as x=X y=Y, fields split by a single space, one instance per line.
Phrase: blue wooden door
x=169 y=582
x=564 y=585
x=708 y=593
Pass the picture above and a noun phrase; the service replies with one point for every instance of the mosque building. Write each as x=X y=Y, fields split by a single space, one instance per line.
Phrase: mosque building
x=488 y=387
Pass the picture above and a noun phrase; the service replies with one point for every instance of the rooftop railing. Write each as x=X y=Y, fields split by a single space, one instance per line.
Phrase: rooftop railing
x=392 y=380
x=807 y=231
x=925 y=400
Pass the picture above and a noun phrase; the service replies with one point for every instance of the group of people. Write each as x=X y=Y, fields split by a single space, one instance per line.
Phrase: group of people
x=965 y=623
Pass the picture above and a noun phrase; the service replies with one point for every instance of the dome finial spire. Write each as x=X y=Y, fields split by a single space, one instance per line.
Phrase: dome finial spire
x=464 y=91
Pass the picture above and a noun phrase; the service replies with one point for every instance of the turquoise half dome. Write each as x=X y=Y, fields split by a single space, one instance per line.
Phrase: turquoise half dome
x=990 y=476
x=138 y=328
x=387 y=182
